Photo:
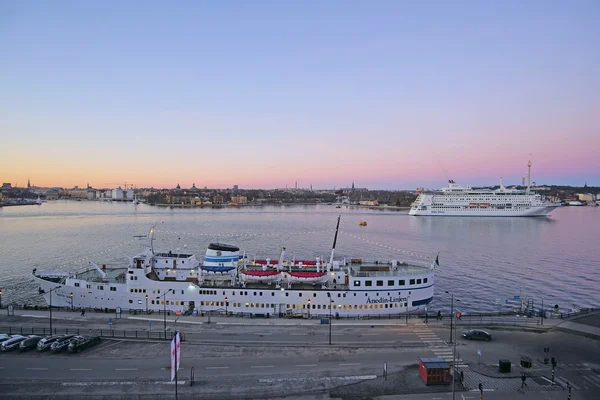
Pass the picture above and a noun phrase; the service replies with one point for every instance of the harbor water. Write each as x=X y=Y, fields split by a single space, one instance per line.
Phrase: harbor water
x=483 y=261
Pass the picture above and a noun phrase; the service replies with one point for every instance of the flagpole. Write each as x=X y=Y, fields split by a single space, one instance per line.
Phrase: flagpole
x=175 y=338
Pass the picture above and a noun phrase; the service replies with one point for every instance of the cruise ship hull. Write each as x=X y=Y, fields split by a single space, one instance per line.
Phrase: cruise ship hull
x=541 y=211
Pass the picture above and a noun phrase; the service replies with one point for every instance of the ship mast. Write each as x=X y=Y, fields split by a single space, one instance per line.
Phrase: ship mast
x=337 y=228
x=528 y=175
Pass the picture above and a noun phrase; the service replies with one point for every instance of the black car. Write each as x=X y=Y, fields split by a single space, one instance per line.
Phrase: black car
x=4 y=337
x=63 y=343
x=30 y=343
x=46 y=342
x=477 y=334
x=12 y=343
x=83 y=343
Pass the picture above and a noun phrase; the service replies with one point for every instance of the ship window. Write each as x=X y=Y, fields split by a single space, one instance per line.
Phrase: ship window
x=158 y=291
x=76 y=284
x=255 y=293
x=299 y=294
x=144 y=290
x=356 y=283
x=233 y=293
x=368 y=283
x=390 y=283
x=286 y=294
x=354 y=294
x=366 y=294
x=139 y=302
x=182 y=292
x=223 y=293
x=131 y=278
x=201 y=303
x=114 y=289
x=130 y=301
x=419 y=281
x=318 y=307
x=260 y=293
x=379 y=283
x=131 y=290
x=152 y=301
x=339 y=295
x=272 y=294
x=412 y=281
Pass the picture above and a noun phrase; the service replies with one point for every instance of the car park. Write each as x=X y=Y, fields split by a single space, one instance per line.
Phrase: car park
x=83 y=343
x=63 y=343
x=30 y=343
x=477 y=334
x=46 y=342
x=12 y=343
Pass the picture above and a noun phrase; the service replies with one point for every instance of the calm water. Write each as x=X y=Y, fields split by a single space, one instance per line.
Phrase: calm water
x=483 y=260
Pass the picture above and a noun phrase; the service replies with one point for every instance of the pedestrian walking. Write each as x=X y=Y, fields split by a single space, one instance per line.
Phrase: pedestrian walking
x=462 y=377
x=83 y=312
x=523 y=378
x=439 y=316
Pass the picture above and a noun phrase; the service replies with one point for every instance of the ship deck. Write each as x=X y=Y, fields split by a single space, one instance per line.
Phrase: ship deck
x=116 y=275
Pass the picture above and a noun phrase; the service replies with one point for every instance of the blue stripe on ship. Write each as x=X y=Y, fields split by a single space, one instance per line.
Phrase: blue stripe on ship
x=221 y=259
x=421 y=302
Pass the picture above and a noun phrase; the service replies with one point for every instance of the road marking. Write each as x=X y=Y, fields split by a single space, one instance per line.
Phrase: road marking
x=80 y=369
x=325 y=378
x=261 y=366
x=370 y=334
x=217 y=367
x=126 y=369
x=349 y=364
x=298 y=334
x=306 y=365
x=37 y=369
x=263 y=334
x=102 y=348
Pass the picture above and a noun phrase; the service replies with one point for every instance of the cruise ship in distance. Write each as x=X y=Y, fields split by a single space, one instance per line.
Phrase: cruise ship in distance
x=455 y=200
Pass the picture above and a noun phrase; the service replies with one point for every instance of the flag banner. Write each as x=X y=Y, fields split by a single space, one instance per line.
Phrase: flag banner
x=173 y=353
x=178 y=346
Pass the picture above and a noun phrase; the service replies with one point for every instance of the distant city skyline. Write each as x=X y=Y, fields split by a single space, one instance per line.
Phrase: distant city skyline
x=391 y=95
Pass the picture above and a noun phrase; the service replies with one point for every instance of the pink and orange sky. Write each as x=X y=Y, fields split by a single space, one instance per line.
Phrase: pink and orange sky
x=391 y=96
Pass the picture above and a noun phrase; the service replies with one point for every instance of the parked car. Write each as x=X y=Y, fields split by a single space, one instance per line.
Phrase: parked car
x=46 y=342
x=63 y=343
x=4 y=337
x=12 y=343
x=477 y=334
x=83 y=343
x=30 y=343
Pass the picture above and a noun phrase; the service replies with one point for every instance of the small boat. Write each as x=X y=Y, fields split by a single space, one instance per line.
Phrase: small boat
x=363 y=223
x=338 y=206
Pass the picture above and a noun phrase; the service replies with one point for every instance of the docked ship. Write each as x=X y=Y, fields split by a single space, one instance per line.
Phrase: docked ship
x=456 y=200
x=228 y=281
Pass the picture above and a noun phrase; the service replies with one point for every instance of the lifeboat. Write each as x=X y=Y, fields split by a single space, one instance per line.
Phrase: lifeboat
x=474 y=205
x=484 y=205
x=252 y=275
x=362 y=223
x=275 y=262
x=306 y=276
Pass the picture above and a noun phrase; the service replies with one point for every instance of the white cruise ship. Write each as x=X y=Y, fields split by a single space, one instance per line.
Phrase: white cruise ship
x=456 y=200
x=230 y=282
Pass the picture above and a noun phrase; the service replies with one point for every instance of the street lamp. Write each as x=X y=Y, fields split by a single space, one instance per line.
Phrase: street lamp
x=542 y=311
x=71 y=296
x=42 y=291
x=309 y=308
x=453 y=326
x=0 y=298
x=164 y=296
x=407 y=303
x=226 y=304
x=146 y=304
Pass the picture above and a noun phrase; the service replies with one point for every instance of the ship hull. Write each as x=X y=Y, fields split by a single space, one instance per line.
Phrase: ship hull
x=536 y=211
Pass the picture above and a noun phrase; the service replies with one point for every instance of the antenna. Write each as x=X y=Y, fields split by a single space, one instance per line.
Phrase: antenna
x=529 y=175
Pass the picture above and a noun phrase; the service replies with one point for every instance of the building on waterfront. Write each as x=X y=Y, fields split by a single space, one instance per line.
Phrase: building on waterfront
x=585 y=197
x=218 y=199
x=368 y=202
x=239 y=199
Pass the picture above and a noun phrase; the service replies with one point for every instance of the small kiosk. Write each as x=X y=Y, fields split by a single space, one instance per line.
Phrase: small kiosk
x=434 y=371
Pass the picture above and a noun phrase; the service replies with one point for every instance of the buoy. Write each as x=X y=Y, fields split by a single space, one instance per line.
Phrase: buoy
x=362 y=223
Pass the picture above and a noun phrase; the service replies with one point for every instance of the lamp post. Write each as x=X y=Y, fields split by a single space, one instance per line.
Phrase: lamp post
x=0 y=298
x=451 y=314
x=146 y=304
x=309 y=308
x=452 y=327
x=164 y=296
x=71 y=296
x=407 y=303
x=226 y=304
x=42 y=291
x=543 y=311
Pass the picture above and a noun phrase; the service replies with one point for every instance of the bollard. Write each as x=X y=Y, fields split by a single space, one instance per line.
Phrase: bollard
x=192 y=377
x=553 y=375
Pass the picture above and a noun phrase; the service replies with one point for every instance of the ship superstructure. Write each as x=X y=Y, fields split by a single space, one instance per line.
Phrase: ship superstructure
x=232 y=282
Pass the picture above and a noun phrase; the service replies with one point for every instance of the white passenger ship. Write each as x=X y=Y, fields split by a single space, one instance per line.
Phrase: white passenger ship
x=229 y=282
x=456 y=200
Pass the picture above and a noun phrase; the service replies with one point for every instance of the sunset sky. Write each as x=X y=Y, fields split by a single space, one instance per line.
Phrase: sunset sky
x=388 y=94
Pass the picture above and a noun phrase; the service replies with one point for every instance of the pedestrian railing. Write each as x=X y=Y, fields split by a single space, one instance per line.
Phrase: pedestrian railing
x=105 y=333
